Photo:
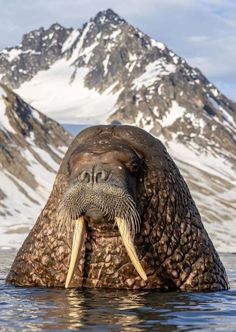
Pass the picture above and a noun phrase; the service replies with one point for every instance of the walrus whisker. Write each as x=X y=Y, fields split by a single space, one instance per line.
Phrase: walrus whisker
x=112 y=201
x=116 y=204
x=134 y=218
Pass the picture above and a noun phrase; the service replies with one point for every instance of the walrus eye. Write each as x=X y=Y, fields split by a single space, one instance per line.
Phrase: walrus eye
x=134 y=166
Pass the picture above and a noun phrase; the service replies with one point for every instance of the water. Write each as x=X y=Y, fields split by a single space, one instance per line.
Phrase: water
x=37 y=309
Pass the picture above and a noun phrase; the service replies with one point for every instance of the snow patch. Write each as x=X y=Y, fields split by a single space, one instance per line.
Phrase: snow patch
x=70 y=40
x=197 y=122
x=36 y=115
x=227 y=117
x=50 y=36
x=175 y=112
x=157 y=44
x=159 y=89
x=87 y=52
x=115 y=34
x=102 y=19
x=105 y=64
x=41 y=174
x=80 y=43
x=132 y=57
x=130 y=66
x=132 y=62
x=59 y=151
x=12 y=54
x=9 y=234
x=86 y=106
x=153 y=72
x=155 y=111
x=144 y=122
x=215 y=92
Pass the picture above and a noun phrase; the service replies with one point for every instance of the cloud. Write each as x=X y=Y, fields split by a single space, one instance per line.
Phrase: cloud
x=201 y=31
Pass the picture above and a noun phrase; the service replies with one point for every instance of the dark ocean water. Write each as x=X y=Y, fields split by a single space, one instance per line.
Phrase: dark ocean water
x=38 y=309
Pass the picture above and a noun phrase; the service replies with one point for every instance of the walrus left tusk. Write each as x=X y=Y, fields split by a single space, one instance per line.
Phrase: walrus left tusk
x=79 y=232
x=129 y=246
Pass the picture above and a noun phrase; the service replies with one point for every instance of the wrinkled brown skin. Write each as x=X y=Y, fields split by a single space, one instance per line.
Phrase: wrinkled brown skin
x=173 y=245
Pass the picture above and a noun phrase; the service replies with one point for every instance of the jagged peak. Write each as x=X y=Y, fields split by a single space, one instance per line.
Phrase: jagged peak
x=108 y=16
x=56 y=26
x=43 y=31
x=33 y=33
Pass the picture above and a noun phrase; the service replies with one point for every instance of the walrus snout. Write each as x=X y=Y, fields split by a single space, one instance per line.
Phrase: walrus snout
x=100 y=200
x=112 y=202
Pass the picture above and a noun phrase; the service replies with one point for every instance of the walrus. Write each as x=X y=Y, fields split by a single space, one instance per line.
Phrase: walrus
x=120 y=215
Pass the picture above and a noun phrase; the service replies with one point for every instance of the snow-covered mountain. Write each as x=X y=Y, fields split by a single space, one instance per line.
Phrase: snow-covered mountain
x=108 y=70
x=31 y=148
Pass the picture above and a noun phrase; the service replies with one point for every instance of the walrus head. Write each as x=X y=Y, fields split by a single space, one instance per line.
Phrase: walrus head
x=103 y=186
x=119 y=215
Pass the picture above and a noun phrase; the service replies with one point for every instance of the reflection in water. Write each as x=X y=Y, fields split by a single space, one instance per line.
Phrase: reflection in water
x=34 y=309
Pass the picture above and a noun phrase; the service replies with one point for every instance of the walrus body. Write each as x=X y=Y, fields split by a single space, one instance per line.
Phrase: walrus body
x=113 y=176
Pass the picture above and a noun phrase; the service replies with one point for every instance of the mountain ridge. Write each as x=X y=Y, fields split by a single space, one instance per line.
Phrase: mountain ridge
x=31 y=149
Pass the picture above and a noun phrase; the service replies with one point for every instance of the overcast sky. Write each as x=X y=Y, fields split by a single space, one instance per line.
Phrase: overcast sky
x=201 y=31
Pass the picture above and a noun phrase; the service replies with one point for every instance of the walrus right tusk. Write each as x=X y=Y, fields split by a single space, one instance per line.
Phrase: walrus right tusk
x=129 y=246
x=79 y=232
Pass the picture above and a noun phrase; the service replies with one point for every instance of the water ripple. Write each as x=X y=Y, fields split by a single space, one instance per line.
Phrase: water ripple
x=37 y=309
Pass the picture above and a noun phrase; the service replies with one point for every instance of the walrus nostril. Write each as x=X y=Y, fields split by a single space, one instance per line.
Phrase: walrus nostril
x=85 y=177
x=94 y=176
x=101 y=176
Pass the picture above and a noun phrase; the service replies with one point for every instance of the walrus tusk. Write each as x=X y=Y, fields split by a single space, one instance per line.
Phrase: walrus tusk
x=129 y=246
x=78 y=237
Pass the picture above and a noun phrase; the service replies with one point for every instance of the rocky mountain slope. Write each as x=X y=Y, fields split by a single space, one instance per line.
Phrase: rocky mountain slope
x=31 y=148
x=108 y=70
